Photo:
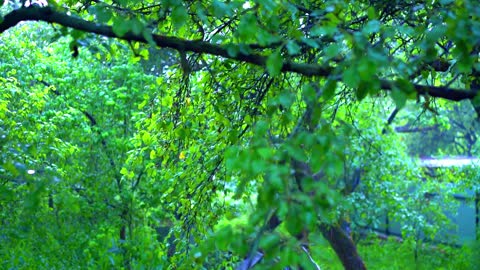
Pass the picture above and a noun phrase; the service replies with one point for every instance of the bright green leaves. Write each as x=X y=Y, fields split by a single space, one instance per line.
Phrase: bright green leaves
x=146 y=138
x=128 y=174
x=167 y=140
x=153 y=154
x=224 y=237
x=251 y=162
x=274 y=63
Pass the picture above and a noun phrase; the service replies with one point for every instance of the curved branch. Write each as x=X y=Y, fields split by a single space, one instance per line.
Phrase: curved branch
x=49 y=14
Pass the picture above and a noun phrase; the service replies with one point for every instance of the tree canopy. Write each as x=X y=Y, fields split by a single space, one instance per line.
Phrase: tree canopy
x=226 y=134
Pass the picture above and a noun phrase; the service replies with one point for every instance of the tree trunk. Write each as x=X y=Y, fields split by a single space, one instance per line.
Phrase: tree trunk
x=340 y=241
x=123 y=240
x=343 y=246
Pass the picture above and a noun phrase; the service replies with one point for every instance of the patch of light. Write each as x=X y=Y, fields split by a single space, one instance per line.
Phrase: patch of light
x=449 y=162
x=41 y=3
x=247 y=5
x=31 y=171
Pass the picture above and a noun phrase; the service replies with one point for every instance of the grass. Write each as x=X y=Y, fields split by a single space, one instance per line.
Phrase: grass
x=391 y=254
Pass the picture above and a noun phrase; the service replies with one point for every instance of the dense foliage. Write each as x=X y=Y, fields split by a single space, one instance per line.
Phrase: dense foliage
x=203 y=134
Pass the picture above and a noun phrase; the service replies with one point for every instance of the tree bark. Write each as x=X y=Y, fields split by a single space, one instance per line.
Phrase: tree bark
x=51 y=15
x=340 y=241
x=344 y=247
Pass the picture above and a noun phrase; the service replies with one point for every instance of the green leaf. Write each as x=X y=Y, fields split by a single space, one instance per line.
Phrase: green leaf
x=265 y=152
x=351 y=77
x=319 y=30
x=137 y=26
x=404 y=85
x=372 y=13
x=146 y=138
x=436 y=33
x=399 y=97
x=310 y=42
x=261 y=127
x=144 y=54
x=153 y=154
x=223 y=237
x=247 y=29
x=293 y=224
x=269 y=241
x=366 y=68
x=332 y=50
x=274 y=63
x=149 y=37
x=286 y=98
x=232 y=50
x=179 y=16
x=275 y=182
x=102 y=14
x=296 y=152
x=309 y=93
x=219 y=8
x=371 y=27
x=292 y=47
x=121 y=26
x=329 y=89
x=362 y=90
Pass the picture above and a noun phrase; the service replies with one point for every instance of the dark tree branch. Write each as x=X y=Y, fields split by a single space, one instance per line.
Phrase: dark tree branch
x=390 y=120
x=48 y=14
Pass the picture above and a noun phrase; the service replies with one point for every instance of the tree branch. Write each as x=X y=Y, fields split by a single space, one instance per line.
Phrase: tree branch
x=49 y=14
